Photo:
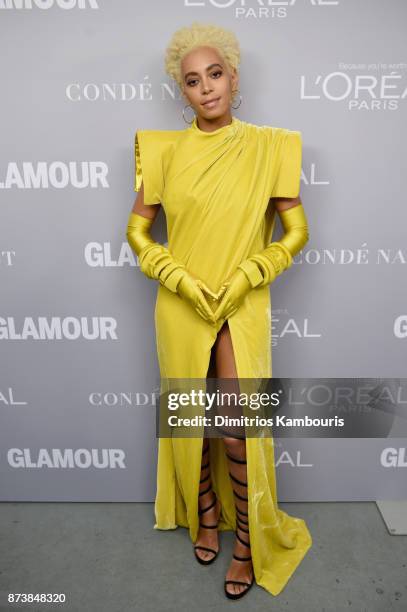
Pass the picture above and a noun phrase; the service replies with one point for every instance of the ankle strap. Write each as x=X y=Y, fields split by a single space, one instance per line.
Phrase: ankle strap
x=235 y=460
x=242 y=541
x=240 y=496
x=210 y=506
x=243 y=484
x=238 y=523
x=242 y=558
x=206 y=491
x=241 y=512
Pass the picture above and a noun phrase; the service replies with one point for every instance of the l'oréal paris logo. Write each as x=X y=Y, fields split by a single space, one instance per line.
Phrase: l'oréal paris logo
x=362 y=87
x=257 y=9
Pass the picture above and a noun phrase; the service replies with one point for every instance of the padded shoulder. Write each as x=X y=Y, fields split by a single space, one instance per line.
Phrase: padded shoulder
x=153 y=150
x=286 y=148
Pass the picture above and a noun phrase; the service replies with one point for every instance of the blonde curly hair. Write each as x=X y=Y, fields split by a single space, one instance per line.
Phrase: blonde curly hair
x=198 y=34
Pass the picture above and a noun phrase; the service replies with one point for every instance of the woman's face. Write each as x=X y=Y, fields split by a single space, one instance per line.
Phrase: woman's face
x=207 y=77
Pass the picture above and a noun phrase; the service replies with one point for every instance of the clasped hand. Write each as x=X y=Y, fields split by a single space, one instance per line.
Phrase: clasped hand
x=230 y=295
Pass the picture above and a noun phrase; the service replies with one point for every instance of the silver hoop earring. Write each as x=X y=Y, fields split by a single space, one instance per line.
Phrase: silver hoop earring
x=240 y=101
x=183 y=114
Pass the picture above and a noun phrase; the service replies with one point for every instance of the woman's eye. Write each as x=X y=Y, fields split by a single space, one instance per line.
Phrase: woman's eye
x=214 y=74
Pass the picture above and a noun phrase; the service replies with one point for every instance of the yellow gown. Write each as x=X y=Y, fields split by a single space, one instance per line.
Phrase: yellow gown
x=215 y=188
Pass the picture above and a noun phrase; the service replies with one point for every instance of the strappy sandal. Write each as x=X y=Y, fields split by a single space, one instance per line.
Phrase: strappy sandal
x=242 y=525
x=202 y=511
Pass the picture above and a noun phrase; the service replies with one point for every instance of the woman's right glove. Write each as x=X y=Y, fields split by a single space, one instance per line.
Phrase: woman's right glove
x=189 y=290
x=157 y=262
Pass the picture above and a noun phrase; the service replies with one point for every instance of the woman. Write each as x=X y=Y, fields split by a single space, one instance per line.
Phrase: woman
x=220 y=182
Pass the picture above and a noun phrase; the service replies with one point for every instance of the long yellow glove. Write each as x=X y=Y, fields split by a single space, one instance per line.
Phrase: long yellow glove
x=262 y=268
x=157 y=262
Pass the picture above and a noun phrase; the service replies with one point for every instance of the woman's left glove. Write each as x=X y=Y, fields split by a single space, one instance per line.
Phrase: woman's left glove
x=236 y=290
x=262 y=268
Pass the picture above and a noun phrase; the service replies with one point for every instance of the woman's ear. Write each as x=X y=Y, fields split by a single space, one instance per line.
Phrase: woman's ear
x=235 y=79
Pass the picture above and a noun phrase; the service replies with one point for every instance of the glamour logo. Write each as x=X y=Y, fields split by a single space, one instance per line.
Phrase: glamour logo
x=259 y=9
x=101 y=458
x=55 y=328
x=47 y=4
x=99 y=255
x=58 y=174
x=394 y=457
x=360 y=91
x=400 y=326
x=7 y=398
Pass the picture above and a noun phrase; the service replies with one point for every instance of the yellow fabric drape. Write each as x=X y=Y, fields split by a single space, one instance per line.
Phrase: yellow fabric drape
x=214 y=188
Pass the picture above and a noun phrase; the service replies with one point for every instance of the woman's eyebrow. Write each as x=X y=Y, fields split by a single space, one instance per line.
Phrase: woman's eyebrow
x=208 y=68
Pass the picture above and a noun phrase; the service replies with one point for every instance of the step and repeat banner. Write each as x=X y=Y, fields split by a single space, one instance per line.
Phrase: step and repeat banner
x=79 y=378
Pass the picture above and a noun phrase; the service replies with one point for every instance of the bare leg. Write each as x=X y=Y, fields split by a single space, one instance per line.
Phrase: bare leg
x=208 y=511
x=241 y=568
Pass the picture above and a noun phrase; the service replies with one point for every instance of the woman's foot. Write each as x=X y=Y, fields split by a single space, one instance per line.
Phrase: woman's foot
x=239 y=571
x=240 y=576
x=208 y=532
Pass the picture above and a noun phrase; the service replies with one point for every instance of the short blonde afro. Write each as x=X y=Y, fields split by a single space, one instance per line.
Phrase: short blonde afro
x=198 y=34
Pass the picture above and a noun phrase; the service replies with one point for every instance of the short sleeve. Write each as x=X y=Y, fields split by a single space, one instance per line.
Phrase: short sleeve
x=152 y=152
x=288 y=160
